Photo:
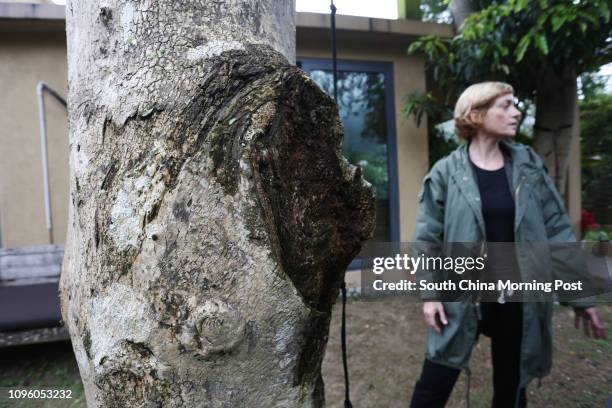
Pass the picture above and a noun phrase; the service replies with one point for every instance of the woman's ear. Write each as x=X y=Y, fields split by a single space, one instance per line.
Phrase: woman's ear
x=475 y=117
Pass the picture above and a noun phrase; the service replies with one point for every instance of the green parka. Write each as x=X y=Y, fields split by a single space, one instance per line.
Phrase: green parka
x=450 y=210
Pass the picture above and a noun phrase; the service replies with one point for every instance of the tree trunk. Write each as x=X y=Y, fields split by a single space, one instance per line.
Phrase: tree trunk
x=460 y=10
x=555 y=123
x=212 y=214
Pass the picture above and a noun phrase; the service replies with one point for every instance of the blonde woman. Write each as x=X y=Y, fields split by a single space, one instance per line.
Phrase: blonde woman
x=470 y=196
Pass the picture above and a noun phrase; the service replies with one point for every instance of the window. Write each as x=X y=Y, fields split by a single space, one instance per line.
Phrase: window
x=365 y=103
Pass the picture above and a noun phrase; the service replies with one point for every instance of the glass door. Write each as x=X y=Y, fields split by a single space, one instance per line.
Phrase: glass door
x=365 y=104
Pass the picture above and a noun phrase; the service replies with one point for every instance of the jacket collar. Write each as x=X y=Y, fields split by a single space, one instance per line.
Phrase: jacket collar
x=522 y=169
x=527 y=167
x=466 y=182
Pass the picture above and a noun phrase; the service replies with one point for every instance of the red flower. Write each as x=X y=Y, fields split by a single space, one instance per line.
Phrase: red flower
x=588 y=221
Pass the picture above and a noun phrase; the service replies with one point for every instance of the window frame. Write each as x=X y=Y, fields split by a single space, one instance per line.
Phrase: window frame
x=386 y=68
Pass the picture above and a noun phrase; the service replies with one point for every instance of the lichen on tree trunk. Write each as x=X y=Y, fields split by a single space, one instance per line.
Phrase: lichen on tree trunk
x=212 y=214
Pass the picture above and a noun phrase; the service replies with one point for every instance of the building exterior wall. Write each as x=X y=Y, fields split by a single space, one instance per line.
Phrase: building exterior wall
x=27 y=56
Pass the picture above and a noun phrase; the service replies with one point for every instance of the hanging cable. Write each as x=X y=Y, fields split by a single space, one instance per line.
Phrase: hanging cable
x=334 y=58
x=347 y=399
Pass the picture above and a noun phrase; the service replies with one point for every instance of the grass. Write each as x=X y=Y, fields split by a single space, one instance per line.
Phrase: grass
x=41 y=366
x=386 y=340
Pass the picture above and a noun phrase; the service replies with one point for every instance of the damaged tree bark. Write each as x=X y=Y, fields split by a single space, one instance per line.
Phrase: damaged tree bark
x=212 y=214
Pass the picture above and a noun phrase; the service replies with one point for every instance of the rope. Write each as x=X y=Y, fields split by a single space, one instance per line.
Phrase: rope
x=467 y=392
x=333 y=44
x=347 y=399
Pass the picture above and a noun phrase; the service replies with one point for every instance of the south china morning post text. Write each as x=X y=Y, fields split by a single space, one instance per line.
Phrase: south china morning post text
x=408 y=268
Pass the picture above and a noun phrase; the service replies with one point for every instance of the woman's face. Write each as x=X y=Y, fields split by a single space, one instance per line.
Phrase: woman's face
x=502 y=118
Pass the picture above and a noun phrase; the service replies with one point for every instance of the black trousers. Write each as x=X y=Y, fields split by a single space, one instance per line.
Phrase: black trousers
x=504 y=324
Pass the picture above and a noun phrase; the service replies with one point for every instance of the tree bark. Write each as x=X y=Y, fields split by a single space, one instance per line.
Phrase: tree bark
x=556 y=123
x=460 y=10
x=211 y=212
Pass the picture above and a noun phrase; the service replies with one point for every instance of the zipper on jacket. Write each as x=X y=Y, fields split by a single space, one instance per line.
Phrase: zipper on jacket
x=483 y=248
x=518 y=188
x=483 y=254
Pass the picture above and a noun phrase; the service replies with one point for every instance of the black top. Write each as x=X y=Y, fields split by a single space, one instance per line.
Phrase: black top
x=498 y=213
x=497 y=204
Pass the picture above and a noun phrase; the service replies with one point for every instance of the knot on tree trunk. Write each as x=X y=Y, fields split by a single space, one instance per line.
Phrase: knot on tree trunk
x=280 y=132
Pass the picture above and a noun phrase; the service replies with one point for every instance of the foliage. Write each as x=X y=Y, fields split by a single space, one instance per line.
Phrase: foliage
x=440 y=147
x=435 y=11
x=419 y=103
x=592 y=84
x=596 y=140
x=592 y=230
x=596 y=123
x=597 y=235
x=374 y=127
x=359 y=94
x=374 y=169
x=515 y=41
x=425 y=103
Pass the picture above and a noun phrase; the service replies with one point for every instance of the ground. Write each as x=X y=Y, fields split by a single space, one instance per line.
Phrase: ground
x=386 y=339
x=386 y=345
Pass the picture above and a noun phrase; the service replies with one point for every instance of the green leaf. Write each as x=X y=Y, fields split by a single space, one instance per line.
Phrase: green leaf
x=542 y=44
x=522 y=48
x=590 y=18
x=482 y=50
x=557 y=22
x=441 y=47
x=542 y=19
x=414 y=47
x=604 y=10
x=520 y=5
x=429 y=49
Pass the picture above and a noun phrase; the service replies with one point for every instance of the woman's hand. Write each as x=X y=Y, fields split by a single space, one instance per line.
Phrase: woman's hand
x=590 y=322
x=434 y=315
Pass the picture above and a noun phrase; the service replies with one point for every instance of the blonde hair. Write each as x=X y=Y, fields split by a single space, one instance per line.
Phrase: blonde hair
x=476 y=97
